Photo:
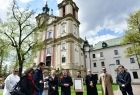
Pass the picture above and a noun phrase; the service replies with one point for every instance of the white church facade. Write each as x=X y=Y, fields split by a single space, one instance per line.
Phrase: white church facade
x=62 y=41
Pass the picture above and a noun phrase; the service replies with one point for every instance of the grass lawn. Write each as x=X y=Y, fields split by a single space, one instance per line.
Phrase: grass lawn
x=0 y=92
x=115 y=87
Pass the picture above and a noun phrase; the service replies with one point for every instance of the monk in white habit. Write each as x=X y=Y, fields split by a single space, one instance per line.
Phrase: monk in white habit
x=106 y=81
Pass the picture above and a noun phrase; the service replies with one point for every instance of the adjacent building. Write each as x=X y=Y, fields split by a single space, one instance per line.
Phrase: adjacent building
x=110 y=54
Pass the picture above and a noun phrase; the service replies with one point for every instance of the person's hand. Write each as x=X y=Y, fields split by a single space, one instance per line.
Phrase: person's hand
x=123 y=85
x=91 y=84
x=53 y=88
x=40 y=81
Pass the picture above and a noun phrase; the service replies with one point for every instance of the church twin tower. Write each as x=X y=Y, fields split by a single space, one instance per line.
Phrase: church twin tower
x=61 y=38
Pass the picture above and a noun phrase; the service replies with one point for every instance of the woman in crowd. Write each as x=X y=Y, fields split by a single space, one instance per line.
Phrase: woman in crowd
x=27 y=82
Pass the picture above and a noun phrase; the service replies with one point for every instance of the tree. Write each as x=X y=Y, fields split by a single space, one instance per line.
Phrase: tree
x=22 y=32
x=132 y=35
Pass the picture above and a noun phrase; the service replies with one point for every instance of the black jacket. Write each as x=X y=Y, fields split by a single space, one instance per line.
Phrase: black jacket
x=124 y=78
x=38 y=76
x=53 y=82
x=66 y=80
x=27 y=86
x=91 y=90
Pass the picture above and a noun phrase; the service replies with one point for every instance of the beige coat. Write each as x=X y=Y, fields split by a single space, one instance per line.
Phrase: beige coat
x=106 y=82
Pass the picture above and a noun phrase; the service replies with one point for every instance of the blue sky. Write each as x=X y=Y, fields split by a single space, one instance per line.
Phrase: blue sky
x=100 y=19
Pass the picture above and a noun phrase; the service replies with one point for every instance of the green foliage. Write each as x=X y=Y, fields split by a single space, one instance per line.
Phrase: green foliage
x=22 y=33
x=3 y=53
x=132 y=34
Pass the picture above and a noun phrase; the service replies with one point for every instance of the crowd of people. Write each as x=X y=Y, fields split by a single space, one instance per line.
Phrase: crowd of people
x=35 y=82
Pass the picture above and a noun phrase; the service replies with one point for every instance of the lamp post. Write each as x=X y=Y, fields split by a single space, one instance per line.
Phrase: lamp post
x=86 y=49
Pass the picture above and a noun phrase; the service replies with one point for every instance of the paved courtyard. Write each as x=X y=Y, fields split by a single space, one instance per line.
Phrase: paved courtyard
x=136 y=90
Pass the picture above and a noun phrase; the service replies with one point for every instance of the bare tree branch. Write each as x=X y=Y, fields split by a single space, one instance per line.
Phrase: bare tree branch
x=28 y=35
x=30 y=47
x=13 y=8
x=27 y=25
x=11 y=39
x=27 y=17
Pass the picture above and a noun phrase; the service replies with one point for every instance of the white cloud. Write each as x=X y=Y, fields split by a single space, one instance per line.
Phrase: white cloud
x=59 y=1
x=96 y=15
x=100 y=38
x=4 y=4
x=25 y=1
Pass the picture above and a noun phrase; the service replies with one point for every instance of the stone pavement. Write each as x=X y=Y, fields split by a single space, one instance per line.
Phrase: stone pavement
x=136 y=90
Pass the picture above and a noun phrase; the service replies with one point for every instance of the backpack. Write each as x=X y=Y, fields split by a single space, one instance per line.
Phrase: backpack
x=17 y=89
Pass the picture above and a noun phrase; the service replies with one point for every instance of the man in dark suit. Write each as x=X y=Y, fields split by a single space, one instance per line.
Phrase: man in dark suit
x=53 y=84
x=38 y=78
x=91 y=81
x=124 y=80
x=66 y=83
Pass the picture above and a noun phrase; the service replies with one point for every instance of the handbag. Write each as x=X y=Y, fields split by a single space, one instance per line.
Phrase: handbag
x=17 y=90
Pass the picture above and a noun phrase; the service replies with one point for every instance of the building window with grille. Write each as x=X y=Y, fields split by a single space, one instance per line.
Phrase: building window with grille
x=102 y=63
x=117 y=62
x=94 y=65
x=93 y=55
x=135 y=75
x=101 y=54
x=63 y=59
x=132 y=60
x=116 y=52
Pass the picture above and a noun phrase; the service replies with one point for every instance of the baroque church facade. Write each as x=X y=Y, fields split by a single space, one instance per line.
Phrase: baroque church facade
x=61 y=38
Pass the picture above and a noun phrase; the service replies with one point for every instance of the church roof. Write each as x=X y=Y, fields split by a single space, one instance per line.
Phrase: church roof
x=110 y=43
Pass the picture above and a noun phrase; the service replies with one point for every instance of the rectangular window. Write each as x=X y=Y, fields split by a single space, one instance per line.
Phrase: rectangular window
x=132 y=60
x=116 y=52
x=63 y=59
x=135 y=75
x=102 y=64
x=63 y=30
x=49 y=35
x=63 y=46
x=94 y=65
x=93 y=55
x=74 y=12
x=48 y=50
x=48 y=60
x=85 y=56
x=63 y=10
x=101 y=54
x=117 y=62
